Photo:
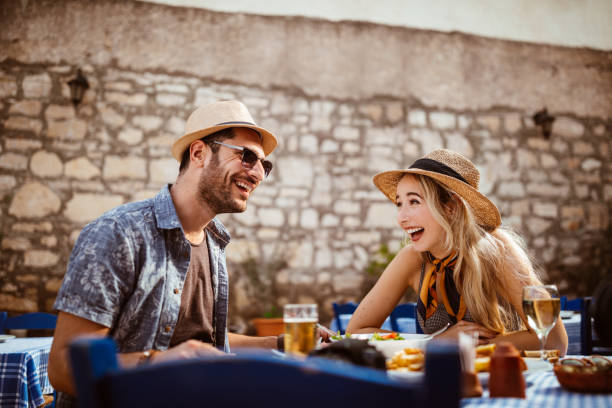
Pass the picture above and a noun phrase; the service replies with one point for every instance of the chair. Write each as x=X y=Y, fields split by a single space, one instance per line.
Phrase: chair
x=255 y=379
x=581 y=305
x=402 y=314
x=28 y=321
x=343 y=309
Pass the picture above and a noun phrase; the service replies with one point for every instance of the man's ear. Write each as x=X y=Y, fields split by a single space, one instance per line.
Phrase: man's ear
x=198 y=151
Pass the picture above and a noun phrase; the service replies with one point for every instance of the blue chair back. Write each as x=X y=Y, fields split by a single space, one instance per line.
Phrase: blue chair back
x=255 y=379
x=28 y=321
x=340 y=309
x=405 y=310
x=581 y=305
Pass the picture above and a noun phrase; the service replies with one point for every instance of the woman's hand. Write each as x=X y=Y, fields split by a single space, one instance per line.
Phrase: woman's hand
x=471 y=329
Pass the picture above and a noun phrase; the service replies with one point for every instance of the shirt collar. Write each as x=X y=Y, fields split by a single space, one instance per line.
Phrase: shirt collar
x=167 y=218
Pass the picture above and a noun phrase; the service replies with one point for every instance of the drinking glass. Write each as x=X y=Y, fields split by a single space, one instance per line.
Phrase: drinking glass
x=541 y=305
x=300 y=328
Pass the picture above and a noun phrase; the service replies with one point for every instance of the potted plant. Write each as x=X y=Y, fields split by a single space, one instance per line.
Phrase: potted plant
x=261 y=275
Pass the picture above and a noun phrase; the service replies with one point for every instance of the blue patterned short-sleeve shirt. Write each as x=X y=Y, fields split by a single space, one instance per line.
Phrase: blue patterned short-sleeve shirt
x=127 y=271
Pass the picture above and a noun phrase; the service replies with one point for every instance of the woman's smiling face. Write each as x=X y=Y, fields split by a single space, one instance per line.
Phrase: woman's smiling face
x=414 y=217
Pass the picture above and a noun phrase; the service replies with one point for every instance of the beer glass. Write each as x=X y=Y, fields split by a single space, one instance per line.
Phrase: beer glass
x=541 y=305
x=300 y=328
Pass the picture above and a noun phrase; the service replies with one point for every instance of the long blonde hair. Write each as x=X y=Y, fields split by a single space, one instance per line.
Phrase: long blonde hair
x=482 y=257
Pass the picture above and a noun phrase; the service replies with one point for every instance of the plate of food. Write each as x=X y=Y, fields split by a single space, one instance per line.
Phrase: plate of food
x=588 y=374
x=6 y=337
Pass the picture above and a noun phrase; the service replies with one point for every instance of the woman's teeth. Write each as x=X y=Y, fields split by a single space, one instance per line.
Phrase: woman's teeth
x=413 y=230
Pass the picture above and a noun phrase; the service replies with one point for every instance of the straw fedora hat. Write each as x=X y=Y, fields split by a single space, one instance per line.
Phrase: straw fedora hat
x=454 y=171
x=216 y=116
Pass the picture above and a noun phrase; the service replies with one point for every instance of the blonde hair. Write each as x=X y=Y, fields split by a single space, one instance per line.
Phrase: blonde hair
x=483 y=257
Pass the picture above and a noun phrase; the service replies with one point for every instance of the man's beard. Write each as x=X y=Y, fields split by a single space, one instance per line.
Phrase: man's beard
x=215 y=190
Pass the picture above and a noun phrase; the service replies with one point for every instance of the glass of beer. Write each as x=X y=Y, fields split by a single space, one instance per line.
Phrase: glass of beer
x=300 y=328
x=541 y=305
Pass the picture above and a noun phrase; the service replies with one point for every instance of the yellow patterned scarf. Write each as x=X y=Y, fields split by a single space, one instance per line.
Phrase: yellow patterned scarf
x=447 y=292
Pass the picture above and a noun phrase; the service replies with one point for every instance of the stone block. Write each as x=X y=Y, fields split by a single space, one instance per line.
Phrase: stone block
x=110 y=116
x=372 y=111
x=46 y=164
x=16 y=243
x=53 y=285
x=511 y=189
x=17 y=304
x=130 y=136
x=309 y=218
x=464 y=121
x=490 y=122
x=598 y=216
x=167 y=99
x=429 y=140
x=330 y=220
x=538 y=143
x=381 y=215
x=323 y=258
x=44 y=226
x=73 y=129
x=459 y=143
x=50 y=241
x=537 y=226
x=512 y=122
x=59 y=112
x=599 y=129
x=8 y=86
x=137 y=99
x=23 y=144
x=329 y=146
x=7 y=182
x=607 y=192
x=362 y=237
x=81 y=168
x=417 y=117
x=172 y=88
x=568 y=128
x=84 y=207
x=37 y=86
x=163 y=171
x=271 y=217
x=549 y=161
x=548 y=190
x=394 y=112
x=40 y=258
x=442 y=120
x=34 y=200
x=347 y=283
x=545 y=210
x=295 y=171
x=131 y=167
x=346 y=133
x=27 y=108
x=583 y=148
x=23 y=123
x=527 y=159
x=590 y=165
x=13 y=161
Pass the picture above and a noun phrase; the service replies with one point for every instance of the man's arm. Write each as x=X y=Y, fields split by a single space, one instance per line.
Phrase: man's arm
x=70 y=327
x=239 y=340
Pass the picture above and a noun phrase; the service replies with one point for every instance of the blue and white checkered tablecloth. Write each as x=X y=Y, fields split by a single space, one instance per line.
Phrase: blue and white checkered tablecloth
x=543 y=391
x=23 y=372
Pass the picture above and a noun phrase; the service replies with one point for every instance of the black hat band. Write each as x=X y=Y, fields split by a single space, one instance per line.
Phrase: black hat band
x=437 y=167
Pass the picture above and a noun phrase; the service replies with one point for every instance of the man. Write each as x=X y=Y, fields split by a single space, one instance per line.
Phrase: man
x=152 y=274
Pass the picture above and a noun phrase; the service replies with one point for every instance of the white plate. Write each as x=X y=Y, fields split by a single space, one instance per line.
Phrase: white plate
x=567 y=314
x=390 y=347
x=6 y=337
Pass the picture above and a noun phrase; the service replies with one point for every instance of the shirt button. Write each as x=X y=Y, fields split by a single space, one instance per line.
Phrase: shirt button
x=176 y=291
x=167 y=328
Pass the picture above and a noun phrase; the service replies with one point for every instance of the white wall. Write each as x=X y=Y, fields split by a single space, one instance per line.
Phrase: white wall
x=574 y=23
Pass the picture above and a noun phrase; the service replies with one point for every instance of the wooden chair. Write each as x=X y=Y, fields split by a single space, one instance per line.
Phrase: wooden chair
x=405 y=310
x=28 y=321
x=256 y=379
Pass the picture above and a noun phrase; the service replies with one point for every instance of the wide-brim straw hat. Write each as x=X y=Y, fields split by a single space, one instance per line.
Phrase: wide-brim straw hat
x=455 y=172
x=217 y=116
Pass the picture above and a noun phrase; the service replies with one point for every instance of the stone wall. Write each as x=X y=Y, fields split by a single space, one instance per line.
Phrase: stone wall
x=316 y=223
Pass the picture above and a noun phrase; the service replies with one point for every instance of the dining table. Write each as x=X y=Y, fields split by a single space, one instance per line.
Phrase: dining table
x=23 y=371
x=543 y=390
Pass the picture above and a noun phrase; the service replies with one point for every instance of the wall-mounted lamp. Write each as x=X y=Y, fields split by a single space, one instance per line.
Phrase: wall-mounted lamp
x=78 y=86
x=545 y=121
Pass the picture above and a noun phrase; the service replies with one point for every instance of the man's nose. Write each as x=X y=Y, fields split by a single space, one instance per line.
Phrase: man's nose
x=257 y=171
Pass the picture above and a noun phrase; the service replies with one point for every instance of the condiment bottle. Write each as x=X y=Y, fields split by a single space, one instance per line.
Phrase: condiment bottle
x=506 y=372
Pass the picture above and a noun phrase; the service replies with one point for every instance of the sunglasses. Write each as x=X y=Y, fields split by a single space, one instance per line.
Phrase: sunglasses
x=249 y=158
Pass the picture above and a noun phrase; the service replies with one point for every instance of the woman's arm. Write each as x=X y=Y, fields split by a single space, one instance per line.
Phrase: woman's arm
x=517 y=274
x=402 y=272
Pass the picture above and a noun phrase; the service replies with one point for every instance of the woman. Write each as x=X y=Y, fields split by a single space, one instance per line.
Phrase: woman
x=465 y=270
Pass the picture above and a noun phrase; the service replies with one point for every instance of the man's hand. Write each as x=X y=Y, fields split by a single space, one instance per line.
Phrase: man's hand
x=185 y=350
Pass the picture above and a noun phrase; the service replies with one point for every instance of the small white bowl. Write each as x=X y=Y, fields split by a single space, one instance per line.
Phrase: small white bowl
x=390 y=347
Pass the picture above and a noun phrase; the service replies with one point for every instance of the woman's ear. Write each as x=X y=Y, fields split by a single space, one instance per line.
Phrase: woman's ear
x=451 y=206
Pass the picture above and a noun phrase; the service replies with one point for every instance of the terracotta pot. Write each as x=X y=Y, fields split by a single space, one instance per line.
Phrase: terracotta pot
x=269 y=326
